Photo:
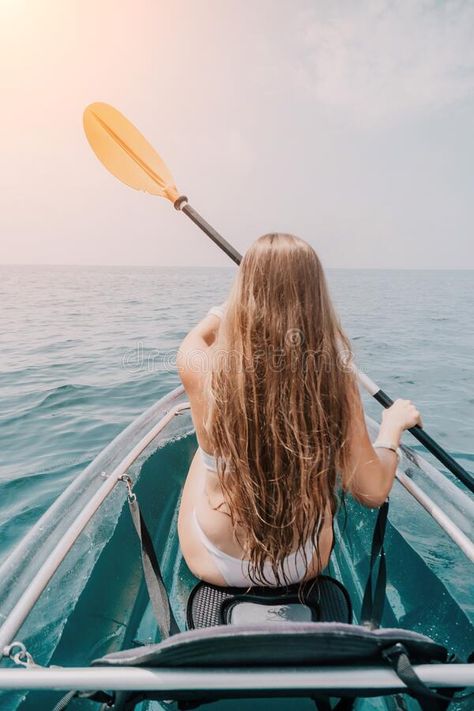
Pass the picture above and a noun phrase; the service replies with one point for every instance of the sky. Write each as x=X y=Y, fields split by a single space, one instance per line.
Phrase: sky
x=349 y=123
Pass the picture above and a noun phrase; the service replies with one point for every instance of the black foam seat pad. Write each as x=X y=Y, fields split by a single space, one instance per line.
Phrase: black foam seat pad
x=327 y=598
x=288 y=644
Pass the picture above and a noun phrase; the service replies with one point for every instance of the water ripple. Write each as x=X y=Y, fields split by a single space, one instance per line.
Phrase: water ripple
x=84 y=350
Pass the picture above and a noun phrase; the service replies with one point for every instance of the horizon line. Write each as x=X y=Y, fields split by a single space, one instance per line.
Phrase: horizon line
x=229 y=266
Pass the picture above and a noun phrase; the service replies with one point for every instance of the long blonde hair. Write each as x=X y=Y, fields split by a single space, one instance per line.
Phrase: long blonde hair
x=279 y=401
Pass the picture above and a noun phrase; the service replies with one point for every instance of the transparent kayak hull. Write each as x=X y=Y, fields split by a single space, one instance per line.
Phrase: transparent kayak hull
x=97 y=603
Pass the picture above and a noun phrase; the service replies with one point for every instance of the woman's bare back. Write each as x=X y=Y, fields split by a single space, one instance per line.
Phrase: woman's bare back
x=203 y=495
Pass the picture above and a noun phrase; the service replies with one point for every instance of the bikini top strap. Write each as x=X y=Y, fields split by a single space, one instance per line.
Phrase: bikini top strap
x=209 y=460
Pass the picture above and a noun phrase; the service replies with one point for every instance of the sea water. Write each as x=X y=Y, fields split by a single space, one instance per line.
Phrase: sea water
x=84 y=350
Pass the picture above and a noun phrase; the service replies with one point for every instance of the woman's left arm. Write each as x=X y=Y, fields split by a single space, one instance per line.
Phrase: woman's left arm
x=193 y=355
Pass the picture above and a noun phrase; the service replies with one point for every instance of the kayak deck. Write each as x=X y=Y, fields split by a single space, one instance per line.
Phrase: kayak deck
x=111 y=610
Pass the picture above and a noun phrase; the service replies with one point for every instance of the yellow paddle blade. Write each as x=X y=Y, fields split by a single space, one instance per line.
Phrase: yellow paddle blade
x=126 y=153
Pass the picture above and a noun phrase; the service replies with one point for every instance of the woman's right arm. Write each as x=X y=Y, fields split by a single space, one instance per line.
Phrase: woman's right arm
x=370 y=472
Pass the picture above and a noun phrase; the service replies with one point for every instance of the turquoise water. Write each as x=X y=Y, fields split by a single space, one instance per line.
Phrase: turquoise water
x=86 y=349
x=95 y=608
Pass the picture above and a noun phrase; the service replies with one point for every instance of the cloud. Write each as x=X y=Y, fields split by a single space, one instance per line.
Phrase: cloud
x=382 y=60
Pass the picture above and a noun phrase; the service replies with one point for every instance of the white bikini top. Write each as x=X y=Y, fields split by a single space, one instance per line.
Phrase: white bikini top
x=209 y=460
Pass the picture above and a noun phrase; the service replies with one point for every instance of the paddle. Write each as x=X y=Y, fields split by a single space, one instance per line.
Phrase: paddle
x=128 y=155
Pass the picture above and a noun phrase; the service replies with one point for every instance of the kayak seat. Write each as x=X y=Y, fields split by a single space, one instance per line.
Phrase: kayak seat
x=322 y=599
x=301 y=625
x=289 y=644
x=284 y=646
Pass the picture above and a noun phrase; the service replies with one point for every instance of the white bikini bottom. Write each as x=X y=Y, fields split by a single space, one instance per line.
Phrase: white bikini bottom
x=235 y=571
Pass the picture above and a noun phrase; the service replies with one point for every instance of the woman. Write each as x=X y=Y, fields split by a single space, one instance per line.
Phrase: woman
x=280 y=425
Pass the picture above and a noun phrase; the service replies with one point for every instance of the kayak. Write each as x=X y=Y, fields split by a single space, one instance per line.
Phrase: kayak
x=76 y=613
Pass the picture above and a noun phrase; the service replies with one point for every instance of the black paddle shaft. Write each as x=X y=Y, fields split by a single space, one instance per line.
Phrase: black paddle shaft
x=433 y=447
x=211 y=232
x=441 y=455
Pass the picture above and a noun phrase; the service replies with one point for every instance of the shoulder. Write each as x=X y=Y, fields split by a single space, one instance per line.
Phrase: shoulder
x=193 y=363
x=194 y=374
